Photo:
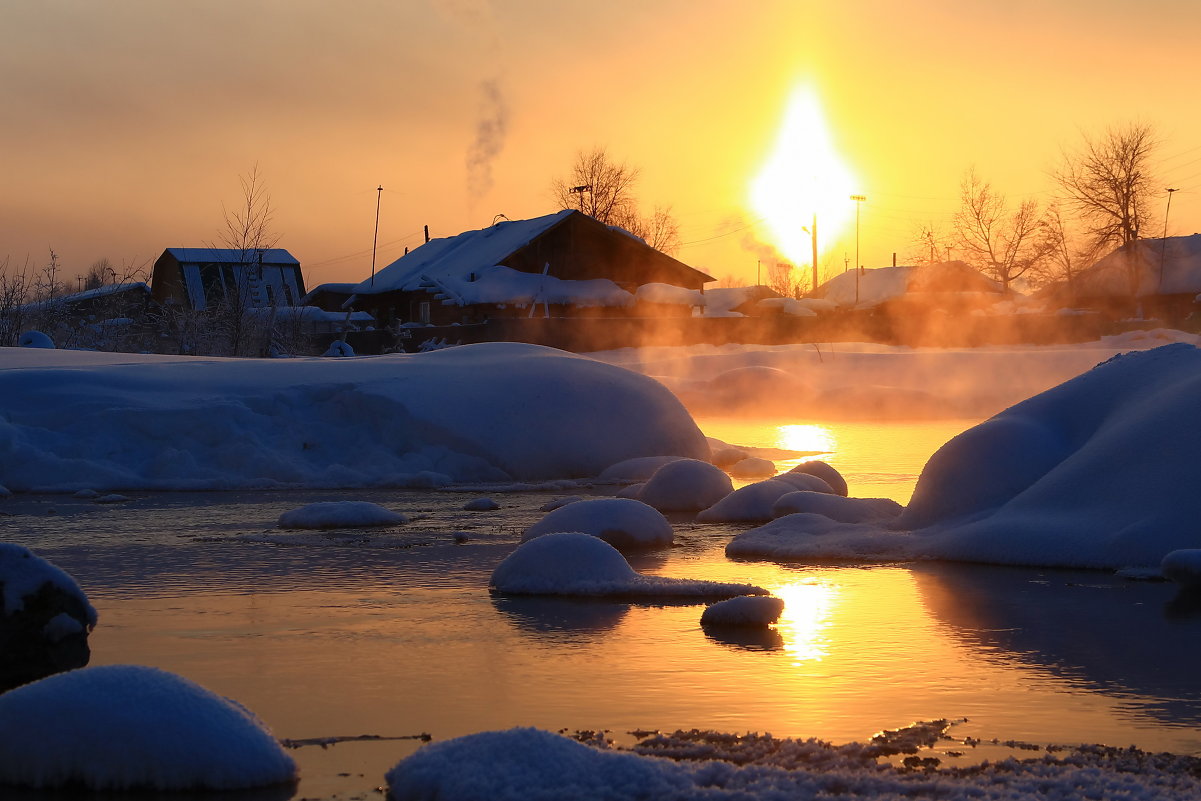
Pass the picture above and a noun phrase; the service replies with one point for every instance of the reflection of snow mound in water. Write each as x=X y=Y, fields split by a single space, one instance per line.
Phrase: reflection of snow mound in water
x=572 y=563
x=123 y=727
x=1046 y=482
x=624 y=523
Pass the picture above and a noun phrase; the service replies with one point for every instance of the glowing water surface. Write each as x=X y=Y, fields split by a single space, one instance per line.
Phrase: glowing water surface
x=393 y=632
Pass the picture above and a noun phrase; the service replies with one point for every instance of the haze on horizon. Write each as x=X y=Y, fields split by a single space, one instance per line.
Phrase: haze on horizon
x=129 y=123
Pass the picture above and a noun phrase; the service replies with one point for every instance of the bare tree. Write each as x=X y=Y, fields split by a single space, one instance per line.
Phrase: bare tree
x=930 y=244
x=15 y=289
x=1109 y=184
x=1001 y=243
x=659 y=230
x=786 y=280
x=1067 y=253
x=99 y=274
x=599 y=187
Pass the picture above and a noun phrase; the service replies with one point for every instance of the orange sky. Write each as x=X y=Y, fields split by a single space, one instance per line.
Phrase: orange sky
x=128 y=123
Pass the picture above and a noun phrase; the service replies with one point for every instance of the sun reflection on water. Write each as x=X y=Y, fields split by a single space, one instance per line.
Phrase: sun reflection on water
x=806 y=437
x=808 y=606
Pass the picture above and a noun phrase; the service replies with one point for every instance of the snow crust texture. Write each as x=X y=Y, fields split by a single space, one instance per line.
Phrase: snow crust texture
x=535 y=765
x=121 y=727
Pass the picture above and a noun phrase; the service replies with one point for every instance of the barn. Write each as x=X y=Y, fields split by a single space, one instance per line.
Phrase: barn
x=203 y=278
x=565 y=264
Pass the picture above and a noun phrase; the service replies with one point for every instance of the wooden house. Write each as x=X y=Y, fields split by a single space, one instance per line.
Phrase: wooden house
x=565 y=264
x=202 y=278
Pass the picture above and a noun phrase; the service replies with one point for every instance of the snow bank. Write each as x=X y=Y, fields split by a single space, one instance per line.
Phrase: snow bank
x=1050 y=481
x=573 y=563
x=534 y=765
x=757 y=611
x=121 y=727
x=624 y=523
x=340 y=514
x=485 y=413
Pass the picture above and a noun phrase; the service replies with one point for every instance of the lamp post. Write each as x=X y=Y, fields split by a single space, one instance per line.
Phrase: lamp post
x=858 y=267
x=1163 y=243
x=379 y=193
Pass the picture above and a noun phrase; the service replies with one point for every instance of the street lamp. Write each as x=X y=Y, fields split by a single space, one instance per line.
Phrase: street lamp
x=858 y=267
x=1163 y=243
x=379 y=193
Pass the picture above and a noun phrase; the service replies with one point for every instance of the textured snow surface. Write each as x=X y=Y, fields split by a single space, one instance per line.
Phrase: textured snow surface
x=535 y=765
x=745 y=610
x=126 y=726
x=573 y=563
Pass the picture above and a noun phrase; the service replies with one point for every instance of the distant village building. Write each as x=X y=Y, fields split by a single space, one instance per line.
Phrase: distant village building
x=202 y=278
x=1160 y=277
x=951 y=286
x=565 y=264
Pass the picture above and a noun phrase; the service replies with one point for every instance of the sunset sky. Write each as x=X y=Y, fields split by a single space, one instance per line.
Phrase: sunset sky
x=127 y=124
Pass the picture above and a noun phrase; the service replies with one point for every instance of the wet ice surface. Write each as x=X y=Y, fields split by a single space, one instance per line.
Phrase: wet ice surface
x=392 y=631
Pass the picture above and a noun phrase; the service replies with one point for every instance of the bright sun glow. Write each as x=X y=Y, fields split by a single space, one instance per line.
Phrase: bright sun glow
x=806 y=616
x=804 y=176
x=808 y=438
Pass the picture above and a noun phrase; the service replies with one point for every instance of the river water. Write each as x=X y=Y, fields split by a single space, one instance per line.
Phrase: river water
x=393 y=632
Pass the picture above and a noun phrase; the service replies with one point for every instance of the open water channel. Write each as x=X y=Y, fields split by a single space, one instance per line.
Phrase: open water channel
x=393 y=632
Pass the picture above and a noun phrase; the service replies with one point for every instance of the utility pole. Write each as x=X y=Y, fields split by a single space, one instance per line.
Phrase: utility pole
x=1163 y=243
x=813 y=235
x=379 y=193
x=858 y=265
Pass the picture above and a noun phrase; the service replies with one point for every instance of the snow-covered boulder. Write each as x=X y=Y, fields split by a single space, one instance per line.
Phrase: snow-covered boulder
x=752 y=467
x=1047 y=482
x=573 y=563
x=45 y=618
x=816 y=467
x=34 y=339
x=686 y=485
x=752 y=611
x=1183 y=567
x=125 y=727
x=726 y=457
x=624 y=523
x=836 y=507
x=750 y=504
x=340 y=514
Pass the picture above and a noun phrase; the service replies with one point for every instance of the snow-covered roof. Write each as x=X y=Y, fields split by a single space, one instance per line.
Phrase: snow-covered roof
x=231 y=256
x=1180 y=257
x=89 y=294
x=455 y=258
x=332 y=288
x=501 y=285
x=881 y=284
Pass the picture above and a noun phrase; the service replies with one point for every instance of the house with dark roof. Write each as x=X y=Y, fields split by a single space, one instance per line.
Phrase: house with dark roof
x=202 y=278
x=565 y=264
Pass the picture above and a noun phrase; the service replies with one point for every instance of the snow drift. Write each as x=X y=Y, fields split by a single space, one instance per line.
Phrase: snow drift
x=1098 y=472
x=488 y=412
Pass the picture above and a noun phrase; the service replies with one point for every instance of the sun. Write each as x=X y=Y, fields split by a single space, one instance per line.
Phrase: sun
x=802 y=177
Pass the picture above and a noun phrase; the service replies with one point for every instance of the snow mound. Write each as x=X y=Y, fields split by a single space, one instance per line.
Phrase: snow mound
x=573 y=563
x=492 y=412
x=35 y=339
x=481 y=505
x=746 y=610
x=122 y=727
x=750 y=504
x=1183 y=567
x=340 y=514
x=804 y=482
x=836 y=507
x=1047 y=482
x=753 y=467
x=686 y=485
x=623 y=523
x=640 y=468
x=339 y=348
